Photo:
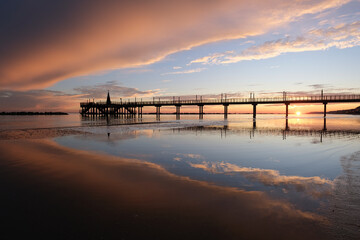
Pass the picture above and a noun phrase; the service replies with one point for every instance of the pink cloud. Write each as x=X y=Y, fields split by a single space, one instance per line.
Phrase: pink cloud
x=340 y=36
x=70 y=38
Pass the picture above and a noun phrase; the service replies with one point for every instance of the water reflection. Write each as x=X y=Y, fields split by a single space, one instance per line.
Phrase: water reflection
x=69 y=194
x=298 y=164
x=209 y=178
x=225 y=130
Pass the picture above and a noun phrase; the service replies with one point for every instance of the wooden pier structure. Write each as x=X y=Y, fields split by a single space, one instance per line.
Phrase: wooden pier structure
x=134 y=108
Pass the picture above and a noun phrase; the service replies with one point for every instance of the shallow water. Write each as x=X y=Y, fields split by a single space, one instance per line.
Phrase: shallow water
x=307 y=165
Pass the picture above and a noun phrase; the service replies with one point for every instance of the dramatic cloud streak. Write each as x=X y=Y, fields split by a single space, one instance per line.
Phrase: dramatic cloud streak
x=43 y=42
x=340 y=36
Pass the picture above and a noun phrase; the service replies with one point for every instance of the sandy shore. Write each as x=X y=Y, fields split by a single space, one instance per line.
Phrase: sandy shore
x=55 y=192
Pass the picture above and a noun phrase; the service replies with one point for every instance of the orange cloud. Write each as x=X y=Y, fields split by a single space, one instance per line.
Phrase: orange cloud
x=70 y=38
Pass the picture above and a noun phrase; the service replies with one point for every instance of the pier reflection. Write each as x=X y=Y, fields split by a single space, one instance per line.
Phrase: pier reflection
x=225 y=130
x=106 y=120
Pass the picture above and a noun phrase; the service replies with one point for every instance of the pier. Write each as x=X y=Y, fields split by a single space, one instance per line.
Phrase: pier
x=135 y=108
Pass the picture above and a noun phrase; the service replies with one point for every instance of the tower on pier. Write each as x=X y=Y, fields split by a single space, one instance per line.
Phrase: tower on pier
x=108 y=101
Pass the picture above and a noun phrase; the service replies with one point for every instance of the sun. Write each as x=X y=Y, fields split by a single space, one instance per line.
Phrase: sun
x=298 y=113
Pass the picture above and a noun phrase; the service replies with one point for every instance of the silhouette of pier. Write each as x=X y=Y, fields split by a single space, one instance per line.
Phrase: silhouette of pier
x=135 y=107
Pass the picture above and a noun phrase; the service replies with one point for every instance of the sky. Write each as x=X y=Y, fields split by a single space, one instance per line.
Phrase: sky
x=56 y=54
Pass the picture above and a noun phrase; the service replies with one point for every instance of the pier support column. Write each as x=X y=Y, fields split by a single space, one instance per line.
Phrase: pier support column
x=287 y=110
x=287 y=124
x=226 y=110
x=325 y=103
x=201 y=111
x=178 y=112
x=178 y=109
x=158 y=110
x=254 y=110
x=324 y=128
x=140 y=111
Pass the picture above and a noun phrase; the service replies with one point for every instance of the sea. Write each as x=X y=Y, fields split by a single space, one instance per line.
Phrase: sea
x=180 y=177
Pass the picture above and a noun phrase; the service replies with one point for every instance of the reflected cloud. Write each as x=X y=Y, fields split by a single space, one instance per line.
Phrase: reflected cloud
x=346 y=198
x=136 y=194
x=190 y=155
x=315 y=186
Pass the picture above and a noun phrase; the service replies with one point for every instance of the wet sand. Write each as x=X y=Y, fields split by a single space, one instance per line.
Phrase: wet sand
x=37 y=133
x=53 y=192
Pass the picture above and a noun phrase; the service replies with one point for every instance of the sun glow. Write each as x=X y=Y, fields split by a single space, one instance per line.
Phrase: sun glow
x=298 y=113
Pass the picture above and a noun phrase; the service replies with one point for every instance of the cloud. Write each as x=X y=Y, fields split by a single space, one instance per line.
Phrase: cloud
x=319 y=86
x=212 y=59
x=99 y=91
x=176 y=67
x=340 y=36
x=43 y=42
x=48 y=100
x=196 y=70
x=39 y=100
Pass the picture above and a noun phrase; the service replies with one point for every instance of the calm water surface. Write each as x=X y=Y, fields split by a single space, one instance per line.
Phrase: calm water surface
x=299 y=163
x=310 y=164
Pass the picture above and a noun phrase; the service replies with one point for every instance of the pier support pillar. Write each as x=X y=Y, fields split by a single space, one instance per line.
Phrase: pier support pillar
x=158 y=110
x=254 y=110
x=140 y=111
x=201 y=111
x=226 y=110
x=178 y=109
x=325 y=103
x=287 y=110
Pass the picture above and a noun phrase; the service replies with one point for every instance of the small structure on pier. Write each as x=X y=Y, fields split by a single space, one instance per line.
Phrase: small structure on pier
x=109 y=108
x=108 y=101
